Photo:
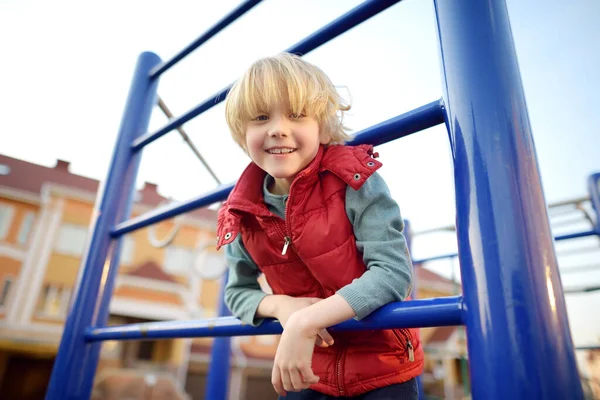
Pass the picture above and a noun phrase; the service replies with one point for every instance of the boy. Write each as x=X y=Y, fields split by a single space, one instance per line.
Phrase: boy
x=316 y=219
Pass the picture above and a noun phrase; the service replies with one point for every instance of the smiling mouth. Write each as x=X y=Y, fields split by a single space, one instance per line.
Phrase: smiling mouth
x=280 y=150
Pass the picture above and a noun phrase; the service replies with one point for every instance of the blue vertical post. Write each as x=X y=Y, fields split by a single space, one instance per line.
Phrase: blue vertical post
x=518 y=334
x=217 y=382
x=76 y=361
x=415 y=289
x=594 y=189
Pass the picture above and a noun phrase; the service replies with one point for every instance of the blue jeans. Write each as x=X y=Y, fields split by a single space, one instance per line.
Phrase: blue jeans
x=400 y=391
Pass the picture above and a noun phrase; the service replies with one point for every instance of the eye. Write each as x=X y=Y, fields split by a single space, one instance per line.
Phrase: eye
x=296 y=116
x=262 y=117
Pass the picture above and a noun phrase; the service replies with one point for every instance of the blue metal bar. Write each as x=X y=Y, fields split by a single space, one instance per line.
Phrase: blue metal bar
x=518 y=336
x=590 y=347
x=173 y=210
x=423 y=117
x=594 y=189
x=217 y=381
x=352 y=18
x=444 y=311
x=408 y=234
x=587 y=289
x=576 y=235
x=218 y=27
x=340 y=25
x=76 y=360
x=557 y=238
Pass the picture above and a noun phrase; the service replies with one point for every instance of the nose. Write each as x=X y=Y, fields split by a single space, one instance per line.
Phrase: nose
x=278 y=127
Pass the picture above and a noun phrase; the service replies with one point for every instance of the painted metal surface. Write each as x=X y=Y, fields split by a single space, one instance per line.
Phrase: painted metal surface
x=520 y=346
x=77 y=359
x=332 y=30
x=405 y=124
x=217 y=381
x=216 y=28
x=519 y=341
x=444 y=311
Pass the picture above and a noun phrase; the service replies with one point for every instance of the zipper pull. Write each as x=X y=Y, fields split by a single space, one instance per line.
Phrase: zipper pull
x=411 y=351
x=286 y=243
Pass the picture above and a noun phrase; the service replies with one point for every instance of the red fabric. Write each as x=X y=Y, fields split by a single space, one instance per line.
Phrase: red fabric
x=321 y=259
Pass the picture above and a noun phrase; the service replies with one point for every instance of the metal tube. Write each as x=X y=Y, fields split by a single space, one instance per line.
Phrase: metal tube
x=576 y=235
x=352 y=18
x=594 y=189
x=444 y=311
x=423 y=117
x=218 y=27
x=172 y=210
x=415 y=289
x=163 y=106
x=590 y=347
x=578 y=290
x=217 y=381
x=520 y=345
x=340 y=25
x=77 y=359
x=416 y=120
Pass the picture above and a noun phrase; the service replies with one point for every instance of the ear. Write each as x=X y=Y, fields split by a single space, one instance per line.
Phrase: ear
x=324 y=137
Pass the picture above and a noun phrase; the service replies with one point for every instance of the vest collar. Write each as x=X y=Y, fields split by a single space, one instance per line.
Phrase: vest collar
x=352 y=164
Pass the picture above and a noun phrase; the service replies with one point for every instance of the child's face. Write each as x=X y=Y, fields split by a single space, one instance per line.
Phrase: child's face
x=283 y=144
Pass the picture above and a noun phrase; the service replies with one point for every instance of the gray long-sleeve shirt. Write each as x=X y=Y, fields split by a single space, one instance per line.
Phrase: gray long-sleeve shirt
x=378 y=228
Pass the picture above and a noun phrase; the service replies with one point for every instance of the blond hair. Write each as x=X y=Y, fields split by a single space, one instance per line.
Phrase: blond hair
x=286 y=79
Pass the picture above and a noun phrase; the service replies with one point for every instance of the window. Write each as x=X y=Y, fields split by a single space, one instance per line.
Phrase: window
x=53 y=301
x=145 y=350
x=26 y=226
x=178 y=259
x=127 y=250
x=6 y=216
x=71 y=239
x=5 y=290
x=4 y=169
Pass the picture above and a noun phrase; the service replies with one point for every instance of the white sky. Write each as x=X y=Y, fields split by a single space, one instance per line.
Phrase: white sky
x=66 y=67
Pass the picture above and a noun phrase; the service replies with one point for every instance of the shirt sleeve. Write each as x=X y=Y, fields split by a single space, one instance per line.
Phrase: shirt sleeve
x=242 y=292
x=378 y=228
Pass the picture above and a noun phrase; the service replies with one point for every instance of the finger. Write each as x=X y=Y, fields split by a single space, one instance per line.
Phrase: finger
x=276 y=381
x=326 y=337
x=296 y=380
x=285 y=379
x=314 y=300
x=319 y=342
x=308 y=375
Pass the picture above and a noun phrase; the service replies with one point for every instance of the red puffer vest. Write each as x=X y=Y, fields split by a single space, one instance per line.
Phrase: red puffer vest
x=320 y=257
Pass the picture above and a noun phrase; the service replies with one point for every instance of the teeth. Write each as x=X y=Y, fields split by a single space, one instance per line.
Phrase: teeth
x=280 y=151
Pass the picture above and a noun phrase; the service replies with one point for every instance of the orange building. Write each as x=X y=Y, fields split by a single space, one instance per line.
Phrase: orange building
x=44 y=219
x=167 y=272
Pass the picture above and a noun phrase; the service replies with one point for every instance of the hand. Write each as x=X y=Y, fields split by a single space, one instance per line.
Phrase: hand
x=288 y=305
x=292 y=369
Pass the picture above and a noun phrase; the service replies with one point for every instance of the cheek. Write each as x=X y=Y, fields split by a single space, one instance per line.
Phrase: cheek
x=253 y=143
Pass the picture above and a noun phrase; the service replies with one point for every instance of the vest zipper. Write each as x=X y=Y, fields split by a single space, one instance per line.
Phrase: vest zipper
x=286 y=243
x=409 y=346
x=338 y=372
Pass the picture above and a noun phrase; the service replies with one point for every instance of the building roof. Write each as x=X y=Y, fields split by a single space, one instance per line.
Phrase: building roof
x=151 y=270
x=29 y=177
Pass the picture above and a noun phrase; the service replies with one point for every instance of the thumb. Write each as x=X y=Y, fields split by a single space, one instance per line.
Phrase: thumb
x=314 y=300
x=326 y=337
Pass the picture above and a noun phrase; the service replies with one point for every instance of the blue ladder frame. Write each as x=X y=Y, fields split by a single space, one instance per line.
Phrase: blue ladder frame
x=513 y=306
